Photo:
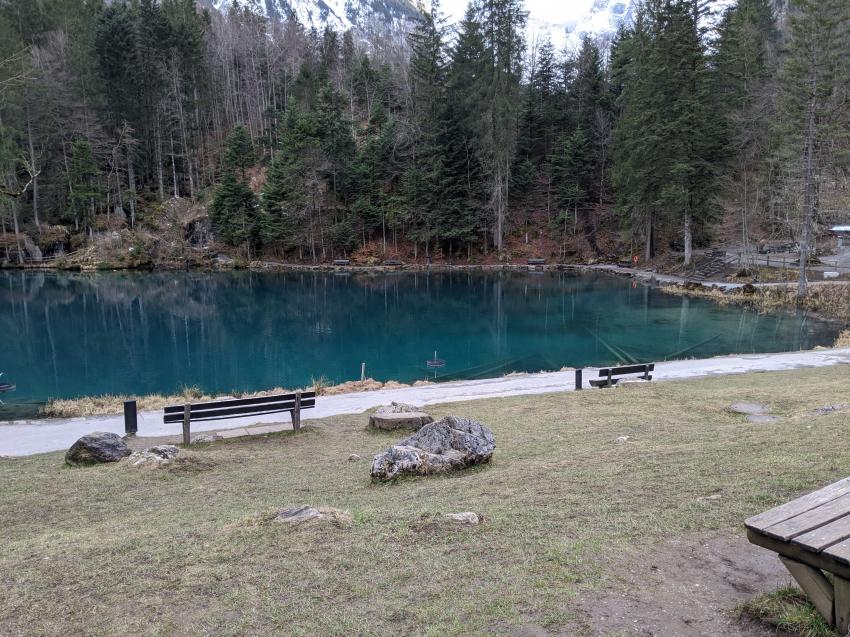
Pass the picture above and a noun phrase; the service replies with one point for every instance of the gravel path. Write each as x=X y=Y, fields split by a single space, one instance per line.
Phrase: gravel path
x=22 y=438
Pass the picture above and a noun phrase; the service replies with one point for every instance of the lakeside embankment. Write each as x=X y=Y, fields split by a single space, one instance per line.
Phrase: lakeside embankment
x=20 y=438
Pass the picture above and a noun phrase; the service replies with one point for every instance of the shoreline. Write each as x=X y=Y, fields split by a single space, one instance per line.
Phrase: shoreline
x=23 y=438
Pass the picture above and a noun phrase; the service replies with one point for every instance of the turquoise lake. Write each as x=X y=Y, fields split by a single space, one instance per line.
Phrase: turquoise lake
x=73 y=334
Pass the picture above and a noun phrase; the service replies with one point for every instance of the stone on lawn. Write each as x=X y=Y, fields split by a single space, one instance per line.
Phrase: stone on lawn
x=353 y=457
x=305 y=513
x=397 y=408
x=467 y=518
x=763 y=419
x=413 y=420
x=97 y=447
x=446 y=445
x=622 y=440
x=154 y=456
x=208 y=437
x=748 y=409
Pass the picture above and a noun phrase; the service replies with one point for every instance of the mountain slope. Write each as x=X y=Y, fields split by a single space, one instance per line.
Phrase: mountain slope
x=339 y=15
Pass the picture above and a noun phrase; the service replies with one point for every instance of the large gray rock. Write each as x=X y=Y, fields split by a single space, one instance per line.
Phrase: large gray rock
x=97 y=447
x=749 y=409
x=446 y=445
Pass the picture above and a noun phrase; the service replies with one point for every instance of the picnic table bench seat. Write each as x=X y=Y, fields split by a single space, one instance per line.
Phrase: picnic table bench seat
x=812 y=536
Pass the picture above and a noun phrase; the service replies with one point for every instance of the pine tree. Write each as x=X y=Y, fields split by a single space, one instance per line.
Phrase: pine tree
x=85 y=191
x=234 y=212
x=240 y=153
x=745 y=70
x=814 y=92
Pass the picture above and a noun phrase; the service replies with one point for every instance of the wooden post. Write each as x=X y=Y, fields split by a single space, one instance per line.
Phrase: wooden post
x=187 y=415
x=296 y=413
x=131 y=423
x=646 y=372
x=578 y=380
x=363 y=372
x=609 y=378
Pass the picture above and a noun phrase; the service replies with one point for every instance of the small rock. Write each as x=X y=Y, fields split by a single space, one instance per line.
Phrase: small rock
x=467 y=518
x=763 y=419
x=397 y=408
x=622 y=440
x=297 y=515
x=354 y=457
x=305 y=513
x=97 y=447
x=208 y=437
x=748 y=408
x=708 y=498
x=414 y=420
x=158 y=456
x=749 y=289
x=829 y=409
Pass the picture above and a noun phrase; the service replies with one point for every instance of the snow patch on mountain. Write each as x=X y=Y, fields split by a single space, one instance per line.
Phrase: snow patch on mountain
x=339 y=15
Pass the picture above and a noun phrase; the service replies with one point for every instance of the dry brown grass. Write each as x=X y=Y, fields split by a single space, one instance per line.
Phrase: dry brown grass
x=114 y=403
x=108 y=551
x=828 y=300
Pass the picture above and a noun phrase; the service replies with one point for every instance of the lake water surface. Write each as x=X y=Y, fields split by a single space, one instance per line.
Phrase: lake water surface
x=70 y=334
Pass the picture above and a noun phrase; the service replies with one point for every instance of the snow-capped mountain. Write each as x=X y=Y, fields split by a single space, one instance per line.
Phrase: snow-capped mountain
x=602 y=21
x=339 y=15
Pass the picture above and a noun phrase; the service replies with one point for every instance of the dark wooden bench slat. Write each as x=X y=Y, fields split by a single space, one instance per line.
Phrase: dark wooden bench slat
x=237 y=412
x=823 y=536
x=235 y=402
x=798 y=506
x=172 y=418
x=815 y=560
x=811 y=519
x=629 y=369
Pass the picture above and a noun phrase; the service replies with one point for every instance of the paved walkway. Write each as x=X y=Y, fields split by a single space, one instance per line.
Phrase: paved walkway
x=21 y=438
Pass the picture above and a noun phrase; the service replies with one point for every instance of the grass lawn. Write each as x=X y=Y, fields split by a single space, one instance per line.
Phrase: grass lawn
x=111 y=550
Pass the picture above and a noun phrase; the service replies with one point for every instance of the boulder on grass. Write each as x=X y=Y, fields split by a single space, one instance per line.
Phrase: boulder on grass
x=154 y=457
x=413 y=420
x=96 y=448
x=446 y=445
x=397 y=408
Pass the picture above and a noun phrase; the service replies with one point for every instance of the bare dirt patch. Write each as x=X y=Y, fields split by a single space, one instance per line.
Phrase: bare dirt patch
x=687 y=587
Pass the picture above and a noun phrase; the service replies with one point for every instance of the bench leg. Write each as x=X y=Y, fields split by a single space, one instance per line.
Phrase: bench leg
x=842 y=605
x=187 y=417
x=818 y=589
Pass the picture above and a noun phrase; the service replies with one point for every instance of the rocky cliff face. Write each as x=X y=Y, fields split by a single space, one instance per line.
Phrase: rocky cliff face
x=339 y=15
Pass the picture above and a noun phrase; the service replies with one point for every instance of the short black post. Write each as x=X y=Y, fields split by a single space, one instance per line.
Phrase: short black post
x=578 y=380
x=131 y=422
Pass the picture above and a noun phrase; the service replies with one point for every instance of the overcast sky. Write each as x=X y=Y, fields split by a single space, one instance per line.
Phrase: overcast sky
x=552 y=11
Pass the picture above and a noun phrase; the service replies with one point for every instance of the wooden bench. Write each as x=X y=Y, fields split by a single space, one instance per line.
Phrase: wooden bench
x=342 y=262
x=607 y=375
x=393 y=262
x=537 y=262
x=239 y=408
x=812 y=536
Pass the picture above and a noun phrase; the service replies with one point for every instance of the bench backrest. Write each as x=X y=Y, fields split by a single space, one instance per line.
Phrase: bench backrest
x=537 y=262
x=629 y=369
x=238 y=407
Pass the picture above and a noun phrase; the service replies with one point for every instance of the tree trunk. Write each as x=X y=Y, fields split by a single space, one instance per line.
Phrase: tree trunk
x=688 y=240
x=34 y=170
x=649 y=230
x=809 y=189
x=131 y=179
x=14 y=207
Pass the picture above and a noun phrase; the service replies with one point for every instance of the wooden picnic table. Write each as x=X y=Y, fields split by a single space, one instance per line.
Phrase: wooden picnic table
x=812 y=536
